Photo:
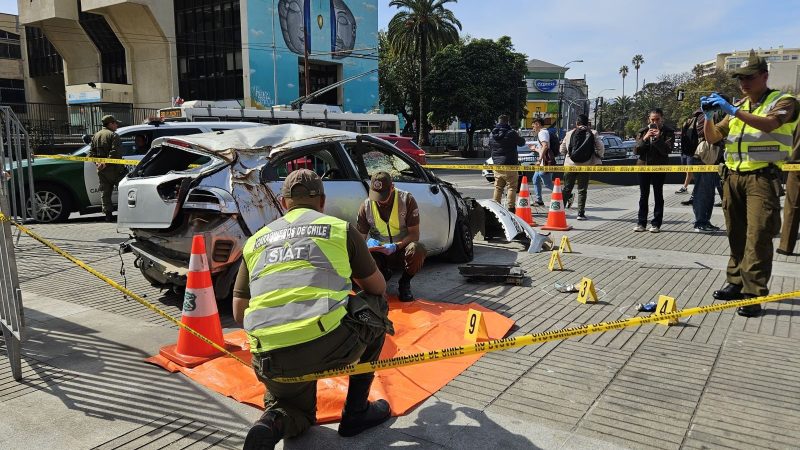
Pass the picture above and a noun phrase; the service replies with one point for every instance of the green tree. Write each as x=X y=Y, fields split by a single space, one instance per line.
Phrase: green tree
x=418 y=30
x=398 y=82
x=637 y=62
x=624 y=72
x=476 y=82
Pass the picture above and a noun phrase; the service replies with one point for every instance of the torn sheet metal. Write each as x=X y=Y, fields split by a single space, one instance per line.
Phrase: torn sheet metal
x=514 y=228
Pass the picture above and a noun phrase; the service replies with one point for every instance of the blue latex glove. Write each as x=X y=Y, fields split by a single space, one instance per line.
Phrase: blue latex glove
x=390 y=248
x=716 y=100
x=373 y=243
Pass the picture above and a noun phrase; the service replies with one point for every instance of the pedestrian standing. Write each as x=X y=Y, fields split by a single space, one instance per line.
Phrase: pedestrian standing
x=759 y=131
x=293 y=296
x=106 y=144
x=705 y=183
x=503 y=143
x=581 y=147
x=791 y=207
x=653 y=146
x=546 y=158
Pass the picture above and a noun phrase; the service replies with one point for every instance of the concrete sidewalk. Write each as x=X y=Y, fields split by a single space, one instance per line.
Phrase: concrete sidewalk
x=714 y=381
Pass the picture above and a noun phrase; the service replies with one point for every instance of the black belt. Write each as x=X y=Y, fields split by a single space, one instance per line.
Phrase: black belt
x=762 y=171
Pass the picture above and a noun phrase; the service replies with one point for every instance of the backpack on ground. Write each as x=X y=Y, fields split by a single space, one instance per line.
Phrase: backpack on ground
x=581 y=145
x=553 y=148
x=689 y=136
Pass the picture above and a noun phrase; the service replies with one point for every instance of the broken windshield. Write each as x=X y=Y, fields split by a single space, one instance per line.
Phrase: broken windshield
x=165 y=159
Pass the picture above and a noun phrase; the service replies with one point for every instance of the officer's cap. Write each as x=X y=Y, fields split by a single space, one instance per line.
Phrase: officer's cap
x=108 y=118
x=380 y=186
x=302 y=183
x=752 y=66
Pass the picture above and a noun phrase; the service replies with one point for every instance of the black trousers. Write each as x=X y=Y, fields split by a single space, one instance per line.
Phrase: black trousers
x=655 y=179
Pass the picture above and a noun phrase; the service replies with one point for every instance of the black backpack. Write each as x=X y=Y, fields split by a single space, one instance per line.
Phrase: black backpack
x=581 y=145
x=553 y=147
x=689 y=137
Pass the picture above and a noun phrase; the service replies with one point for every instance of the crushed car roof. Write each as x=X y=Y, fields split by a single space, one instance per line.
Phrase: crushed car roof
x=269 y=138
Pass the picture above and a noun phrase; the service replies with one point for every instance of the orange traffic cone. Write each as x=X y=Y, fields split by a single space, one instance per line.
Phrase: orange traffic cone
x=523 y=207
x=199 y=313
x=556 y=217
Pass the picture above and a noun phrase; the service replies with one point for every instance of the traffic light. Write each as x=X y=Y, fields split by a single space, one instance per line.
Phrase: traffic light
x=599 y=101
x=681 y=95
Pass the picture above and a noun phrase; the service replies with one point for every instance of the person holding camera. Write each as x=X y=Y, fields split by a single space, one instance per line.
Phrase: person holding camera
x=653 y=145
x=759 y=130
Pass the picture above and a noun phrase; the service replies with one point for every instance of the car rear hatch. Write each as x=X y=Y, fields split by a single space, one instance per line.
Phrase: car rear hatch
x=151 y=195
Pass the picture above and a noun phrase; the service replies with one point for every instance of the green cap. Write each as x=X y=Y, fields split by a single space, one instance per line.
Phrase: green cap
x=108 y=118
x=752 y=66
x=302 y=183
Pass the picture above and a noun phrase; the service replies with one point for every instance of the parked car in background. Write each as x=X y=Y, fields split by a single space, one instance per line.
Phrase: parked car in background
x=406 y=144
x=225 y=187
x=62 y=187
x=615 y=148
x=526 y=156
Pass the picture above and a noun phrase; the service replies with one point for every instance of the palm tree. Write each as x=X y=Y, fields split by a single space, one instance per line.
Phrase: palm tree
x=637 y=62
x=419 y=29
x=624 y=72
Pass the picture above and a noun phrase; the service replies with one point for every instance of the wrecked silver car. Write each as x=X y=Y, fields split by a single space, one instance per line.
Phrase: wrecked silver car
x=224 y=186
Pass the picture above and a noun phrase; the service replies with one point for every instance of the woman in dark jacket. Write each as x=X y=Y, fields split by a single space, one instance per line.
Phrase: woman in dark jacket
x=653 y=146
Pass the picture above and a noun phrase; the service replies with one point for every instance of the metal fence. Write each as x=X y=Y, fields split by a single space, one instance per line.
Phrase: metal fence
x=17 y=165
x=51 y=125
x=11 y=319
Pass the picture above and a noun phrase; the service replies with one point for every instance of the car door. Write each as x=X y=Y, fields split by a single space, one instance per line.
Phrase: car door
x=436 y=212
x=344 y=191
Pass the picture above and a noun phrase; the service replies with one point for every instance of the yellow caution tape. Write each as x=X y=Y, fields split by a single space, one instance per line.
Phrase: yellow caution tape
x=126 y=162
x=442 y=354
x=122 y=289
x=609 y=168
x=528 y=339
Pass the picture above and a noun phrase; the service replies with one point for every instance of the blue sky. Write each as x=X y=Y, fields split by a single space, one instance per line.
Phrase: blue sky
x=672 y=35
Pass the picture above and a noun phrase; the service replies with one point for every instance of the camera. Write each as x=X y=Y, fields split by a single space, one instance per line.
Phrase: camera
x=652 y=126
x=708 y=107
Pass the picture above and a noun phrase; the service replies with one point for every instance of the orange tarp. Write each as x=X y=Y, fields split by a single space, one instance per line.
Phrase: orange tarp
x=419 y=326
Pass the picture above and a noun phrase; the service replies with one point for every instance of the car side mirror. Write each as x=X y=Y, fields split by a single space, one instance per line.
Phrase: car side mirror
x=86 y=138
x=434 y=189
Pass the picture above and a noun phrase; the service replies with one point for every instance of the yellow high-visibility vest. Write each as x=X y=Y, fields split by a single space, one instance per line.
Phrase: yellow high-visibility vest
x=748 y=149
x=395 y=230
x=299 y=279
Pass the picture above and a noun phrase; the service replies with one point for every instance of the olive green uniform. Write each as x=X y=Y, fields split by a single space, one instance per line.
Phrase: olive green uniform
x=106 y=144
x=751 y=205
x=791 y=206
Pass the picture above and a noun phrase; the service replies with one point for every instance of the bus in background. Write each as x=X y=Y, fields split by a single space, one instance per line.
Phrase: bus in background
x=310 y=114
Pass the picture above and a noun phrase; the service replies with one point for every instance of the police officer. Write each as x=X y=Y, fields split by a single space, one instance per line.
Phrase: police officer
x=293 y=297
x=106 y=144
x=791 y=207
x=389 y=219
x=759 y=131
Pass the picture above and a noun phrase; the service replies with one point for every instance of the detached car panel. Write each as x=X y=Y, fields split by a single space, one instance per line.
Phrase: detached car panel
x=225 y=186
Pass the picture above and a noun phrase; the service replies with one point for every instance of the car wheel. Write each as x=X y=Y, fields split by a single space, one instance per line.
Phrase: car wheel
x=53 y=204
x=461 y=250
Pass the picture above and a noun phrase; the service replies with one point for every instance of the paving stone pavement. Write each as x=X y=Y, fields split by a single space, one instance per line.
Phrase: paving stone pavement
x=713 y=381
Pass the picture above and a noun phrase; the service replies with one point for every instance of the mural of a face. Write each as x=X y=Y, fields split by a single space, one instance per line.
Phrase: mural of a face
x=343 y=29
x=292 y=16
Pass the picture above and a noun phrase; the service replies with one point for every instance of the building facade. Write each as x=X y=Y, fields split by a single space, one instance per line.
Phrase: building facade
x=12 y=84
x=547 y=84
x=144 y=53
x=784 y=65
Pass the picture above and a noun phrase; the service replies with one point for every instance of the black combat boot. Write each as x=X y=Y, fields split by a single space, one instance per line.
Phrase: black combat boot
x=360 y=414
x=749 y=311
x=729 y=292
x=266 y=432
x=404 y=288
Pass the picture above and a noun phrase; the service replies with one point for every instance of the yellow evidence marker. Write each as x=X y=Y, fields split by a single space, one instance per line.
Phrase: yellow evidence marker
x=666 y=305
x=586 y=291
x=555 y=257
x=475 y=330
x=564 y=245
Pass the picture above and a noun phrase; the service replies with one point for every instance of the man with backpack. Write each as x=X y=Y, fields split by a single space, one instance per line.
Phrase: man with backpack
x=688 y=146
x=692 y=136
x=548 y=145
x=581 y=147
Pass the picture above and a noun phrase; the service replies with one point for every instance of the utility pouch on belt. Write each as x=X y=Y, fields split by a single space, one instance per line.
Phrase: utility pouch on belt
x=371 y=311
x=775 y=180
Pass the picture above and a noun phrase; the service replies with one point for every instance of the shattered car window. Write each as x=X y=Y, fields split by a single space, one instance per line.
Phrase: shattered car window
x=166 y=159
x=370 y=159
x=321 y=161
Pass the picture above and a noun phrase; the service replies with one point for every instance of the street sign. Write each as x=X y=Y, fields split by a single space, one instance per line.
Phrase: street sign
x=681 y=94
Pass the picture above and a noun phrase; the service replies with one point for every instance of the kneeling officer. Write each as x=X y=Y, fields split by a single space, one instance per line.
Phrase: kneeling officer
x=293 y=296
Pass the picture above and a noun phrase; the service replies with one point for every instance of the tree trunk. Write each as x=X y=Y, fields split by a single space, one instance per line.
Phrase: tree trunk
x=470 y=153
x=423 y=71
x=637 y=81
x=409 y=128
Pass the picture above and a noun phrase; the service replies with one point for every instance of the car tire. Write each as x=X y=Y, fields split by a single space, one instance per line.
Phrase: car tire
x=461 y=250
x=55 y=204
